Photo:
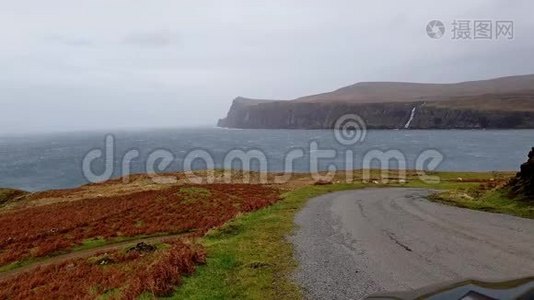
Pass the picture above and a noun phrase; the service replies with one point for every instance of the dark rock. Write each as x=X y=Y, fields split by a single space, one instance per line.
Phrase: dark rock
x=143 y=247
x=522 y=185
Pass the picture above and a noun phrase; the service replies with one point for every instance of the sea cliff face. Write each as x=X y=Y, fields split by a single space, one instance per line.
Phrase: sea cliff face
x=506 y=102
x=246 y=113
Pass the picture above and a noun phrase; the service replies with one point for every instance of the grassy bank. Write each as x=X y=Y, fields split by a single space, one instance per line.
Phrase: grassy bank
x=250 y=258
x=491 y=201
x=7 y=195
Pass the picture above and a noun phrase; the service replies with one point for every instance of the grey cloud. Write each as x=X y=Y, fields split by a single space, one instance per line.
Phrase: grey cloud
x=151 y=38
x=180 y=63
x=68 y=40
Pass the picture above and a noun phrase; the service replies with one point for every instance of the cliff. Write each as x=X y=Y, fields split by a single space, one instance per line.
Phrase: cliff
x=499 y=103
x=522 y=185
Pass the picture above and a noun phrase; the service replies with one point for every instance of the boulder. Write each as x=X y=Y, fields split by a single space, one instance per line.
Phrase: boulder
x=143 y=247
x=522 y=185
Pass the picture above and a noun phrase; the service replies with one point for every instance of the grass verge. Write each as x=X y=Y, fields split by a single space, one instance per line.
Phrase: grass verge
x=250 y=257
x=491 y=201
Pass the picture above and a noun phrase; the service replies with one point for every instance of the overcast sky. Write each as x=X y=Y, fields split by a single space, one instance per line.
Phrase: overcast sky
x=77 y=65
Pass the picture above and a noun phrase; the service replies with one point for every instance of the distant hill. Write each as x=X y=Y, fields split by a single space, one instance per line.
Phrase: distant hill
x=506 y=102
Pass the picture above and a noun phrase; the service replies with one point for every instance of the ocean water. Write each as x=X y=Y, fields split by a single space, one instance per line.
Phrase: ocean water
x=53 y=161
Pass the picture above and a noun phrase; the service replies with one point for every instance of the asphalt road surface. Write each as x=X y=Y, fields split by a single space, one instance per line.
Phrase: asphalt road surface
x=355 y=243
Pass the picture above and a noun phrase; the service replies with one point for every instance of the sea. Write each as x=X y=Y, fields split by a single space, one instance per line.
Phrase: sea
x=56 y=161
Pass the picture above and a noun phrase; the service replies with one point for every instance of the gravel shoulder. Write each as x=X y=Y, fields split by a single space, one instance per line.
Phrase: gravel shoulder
x=354 y=243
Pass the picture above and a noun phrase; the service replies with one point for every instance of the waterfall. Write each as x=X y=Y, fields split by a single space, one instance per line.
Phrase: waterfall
x=412 y=114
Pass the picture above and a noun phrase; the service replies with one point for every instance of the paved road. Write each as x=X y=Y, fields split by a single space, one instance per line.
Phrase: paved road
x=351 y=244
